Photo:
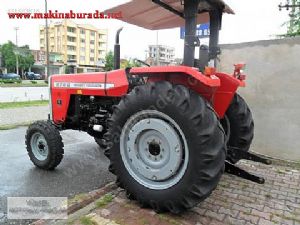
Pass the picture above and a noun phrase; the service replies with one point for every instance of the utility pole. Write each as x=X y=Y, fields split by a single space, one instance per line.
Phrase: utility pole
x=47 y=43
x=16 y=51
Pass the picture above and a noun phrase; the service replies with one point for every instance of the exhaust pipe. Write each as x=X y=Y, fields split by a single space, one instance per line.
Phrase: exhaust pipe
x=117 y=50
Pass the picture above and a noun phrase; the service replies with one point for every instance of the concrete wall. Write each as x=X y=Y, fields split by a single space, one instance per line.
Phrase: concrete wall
x=272 y=92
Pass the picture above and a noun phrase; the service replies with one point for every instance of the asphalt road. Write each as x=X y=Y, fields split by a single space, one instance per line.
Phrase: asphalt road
x=83 y=169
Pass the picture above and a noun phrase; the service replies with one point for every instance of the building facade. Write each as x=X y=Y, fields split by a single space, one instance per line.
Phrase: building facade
x=161 y=55
x=84 y=44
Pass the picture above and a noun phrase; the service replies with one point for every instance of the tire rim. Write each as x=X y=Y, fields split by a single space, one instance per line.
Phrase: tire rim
x=154 y=149
x=39 y=146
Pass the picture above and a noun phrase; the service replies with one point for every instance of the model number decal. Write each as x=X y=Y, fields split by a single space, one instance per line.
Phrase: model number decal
x=83 y=85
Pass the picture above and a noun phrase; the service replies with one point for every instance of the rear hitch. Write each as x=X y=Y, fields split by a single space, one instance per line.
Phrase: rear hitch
x=238 y=154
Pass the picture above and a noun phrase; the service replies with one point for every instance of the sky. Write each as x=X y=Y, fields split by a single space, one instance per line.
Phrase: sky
x=253 y=20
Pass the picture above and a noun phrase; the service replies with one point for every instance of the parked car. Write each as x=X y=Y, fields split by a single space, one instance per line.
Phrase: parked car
x=33 y=76
x=10 y=76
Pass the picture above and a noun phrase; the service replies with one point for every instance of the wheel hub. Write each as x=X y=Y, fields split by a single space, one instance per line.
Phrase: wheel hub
x=152 y=150
x=39 y=146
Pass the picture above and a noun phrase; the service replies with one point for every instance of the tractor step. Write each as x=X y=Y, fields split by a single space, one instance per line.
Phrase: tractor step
x=237 y=153
x=234 y=170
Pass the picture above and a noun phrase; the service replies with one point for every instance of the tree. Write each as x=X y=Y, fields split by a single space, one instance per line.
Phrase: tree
x=26 y=59
x=294 y=23
x=109 y=61
x=8 y=56
x=129 y=63
x=9 y=51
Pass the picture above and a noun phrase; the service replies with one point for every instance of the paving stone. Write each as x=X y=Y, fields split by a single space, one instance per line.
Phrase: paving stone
x=235 y=202
x=249 y=217
x=265 y=222
x=215 y=215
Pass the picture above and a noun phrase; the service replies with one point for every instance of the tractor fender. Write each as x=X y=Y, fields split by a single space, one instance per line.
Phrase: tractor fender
x=170 y=72
x=224 y=94
x=218 y=89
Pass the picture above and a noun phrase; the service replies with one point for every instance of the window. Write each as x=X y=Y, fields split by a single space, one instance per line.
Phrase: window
x=101 y=36
x=92 y=51
x=71 y=57
x=71 y=39
x=92 y=42
x=92 y=33
x=71 y=48
x=71 y=29
x=101 y=45
x=82 y=31
x=82 y=40
x=82 y=58
x=82 y=49
x=92 y=59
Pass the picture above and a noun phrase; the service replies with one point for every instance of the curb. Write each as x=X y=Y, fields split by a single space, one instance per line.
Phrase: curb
x=86 y=200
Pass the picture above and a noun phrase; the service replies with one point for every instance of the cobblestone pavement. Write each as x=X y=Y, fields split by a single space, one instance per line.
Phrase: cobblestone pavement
x=235 y=201
x=22 y=115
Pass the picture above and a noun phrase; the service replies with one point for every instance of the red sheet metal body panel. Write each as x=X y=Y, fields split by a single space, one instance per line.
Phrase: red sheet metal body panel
x=113 y=83
x=218 y=89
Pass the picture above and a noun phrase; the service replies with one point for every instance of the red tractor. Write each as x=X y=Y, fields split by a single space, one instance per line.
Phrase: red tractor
x=169 y=132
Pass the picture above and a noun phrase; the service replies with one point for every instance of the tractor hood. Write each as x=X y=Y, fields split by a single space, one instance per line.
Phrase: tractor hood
x=149 y=15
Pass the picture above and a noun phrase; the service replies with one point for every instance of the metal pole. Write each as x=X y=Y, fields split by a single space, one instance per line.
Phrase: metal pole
x=190 y=39
x=157 y=49
x=16 y=52
x=47 y=43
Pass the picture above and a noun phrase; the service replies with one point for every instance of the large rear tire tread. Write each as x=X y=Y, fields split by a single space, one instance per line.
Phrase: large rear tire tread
x=241 y=126
x=204 y=134
x=54 y=141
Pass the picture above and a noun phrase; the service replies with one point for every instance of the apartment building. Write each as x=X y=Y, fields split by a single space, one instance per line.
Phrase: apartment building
x=81 y=43
x=161 y=55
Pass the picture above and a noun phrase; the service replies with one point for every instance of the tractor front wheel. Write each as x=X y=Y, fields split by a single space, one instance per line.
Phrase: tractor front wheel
x=166 y=146
x=44 y=145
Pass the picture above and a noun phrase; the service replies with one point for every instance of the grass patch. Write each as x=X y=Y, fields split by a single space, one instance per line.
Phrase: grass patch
x=87 y=221
x=77 y=198
x=24 y=83
x=168 y=219
x=13 y=126
x=106 y=199
x=6 y=105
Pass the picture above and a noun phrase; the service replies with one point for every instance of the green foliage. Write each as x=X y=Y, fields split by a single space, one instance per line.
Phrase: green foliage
x=10 y=81
x=9 y=51
x=294 y=23
x=6 y=105
x=109 y=61
x=106 y=199
x=130 y=63
x=85 y=220
x=8 y=56
x=33 y=81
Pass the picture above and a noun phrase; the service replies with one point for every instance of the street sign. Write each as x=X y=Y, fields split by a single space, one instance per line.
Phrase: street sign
x=202 y=31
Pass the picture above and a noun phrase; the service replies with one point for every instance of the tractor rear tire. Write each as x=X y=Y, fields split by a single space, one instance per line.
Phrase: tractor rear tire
x=166 y=146
x=44 y=145
x=241 y=126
